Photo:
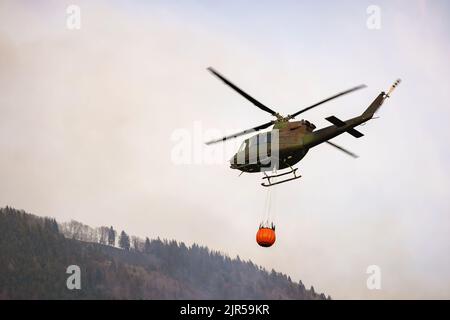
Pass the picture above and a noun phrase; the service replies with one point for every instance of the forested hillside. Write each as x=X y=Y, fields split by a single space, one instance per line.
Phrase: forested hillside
x=35 y=253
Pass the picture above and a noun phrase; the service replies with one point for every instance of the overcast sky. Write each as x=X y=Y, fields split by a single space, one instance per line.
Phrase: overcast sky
x=89 y=120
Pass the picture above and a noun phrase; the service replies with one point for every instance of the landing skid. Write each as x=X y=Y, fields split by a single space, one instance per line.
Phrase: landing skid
x=270 y=184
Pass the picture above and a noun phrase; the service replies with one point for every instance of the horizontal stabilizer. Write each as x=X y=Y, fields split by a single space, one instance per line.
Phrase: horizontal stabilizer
x=339 y=123
x=355 y=133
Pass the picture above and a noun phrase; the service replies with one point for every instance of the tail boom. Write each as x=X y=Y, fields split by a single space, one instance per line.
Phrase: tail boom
x=319 y=136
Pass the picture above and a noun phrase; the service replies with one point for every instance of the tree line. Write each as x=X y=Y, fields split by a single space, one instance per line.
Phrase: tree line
x=36 y=251
x=104 y=235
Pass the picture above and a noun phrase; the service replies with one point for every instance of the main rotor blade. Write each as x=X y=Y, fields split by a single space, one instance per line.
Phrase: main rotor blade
x=232 y=136
x=342 y=149
x=326 y=100
x=242 y=93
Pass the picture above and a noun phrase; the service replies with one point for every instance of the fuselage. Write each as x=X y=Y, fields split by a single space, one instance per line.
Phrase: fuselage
x=287 y=143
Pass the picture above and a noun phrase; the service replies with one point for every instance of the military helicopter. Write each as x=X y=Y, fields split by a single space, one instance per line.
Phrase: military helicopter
x=289 y=141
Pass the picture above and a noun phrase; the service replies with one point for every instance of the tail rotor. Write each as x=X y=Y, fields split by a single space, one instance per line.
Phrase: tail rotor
x=392 y=88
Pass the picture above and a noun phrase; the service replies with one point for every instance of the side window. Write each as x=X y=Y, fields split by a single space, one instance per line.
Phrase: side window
x=253 y=141
x=261 y=138
x=265 y=137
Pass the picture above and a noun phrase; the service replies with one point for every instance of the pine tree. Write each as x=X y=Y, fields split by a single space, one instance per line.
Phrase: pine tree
x=124 y=241
x=112 y=237
x=147 y=245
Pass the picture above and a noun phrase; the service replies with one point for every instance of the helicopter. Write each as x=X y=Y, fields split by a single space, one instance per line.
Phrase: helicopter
x=289 y=141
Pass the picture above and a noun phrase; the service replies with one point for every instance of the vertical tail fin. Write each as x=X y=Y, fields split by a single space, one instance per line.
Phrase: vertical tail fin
x=376 y=104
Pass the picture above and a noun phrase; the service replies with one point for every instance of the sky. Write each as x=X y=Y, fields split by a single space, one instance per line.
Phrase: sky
x=92 y=121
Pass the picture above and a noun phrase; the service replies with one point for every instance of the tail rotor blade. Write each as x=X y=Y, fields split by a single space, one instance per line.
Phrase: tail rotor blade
x=392 y=88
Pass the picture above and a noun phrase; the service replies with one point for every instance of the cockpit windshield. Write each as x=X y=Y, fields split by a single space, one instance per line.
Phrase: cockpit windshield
x=243 y=146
